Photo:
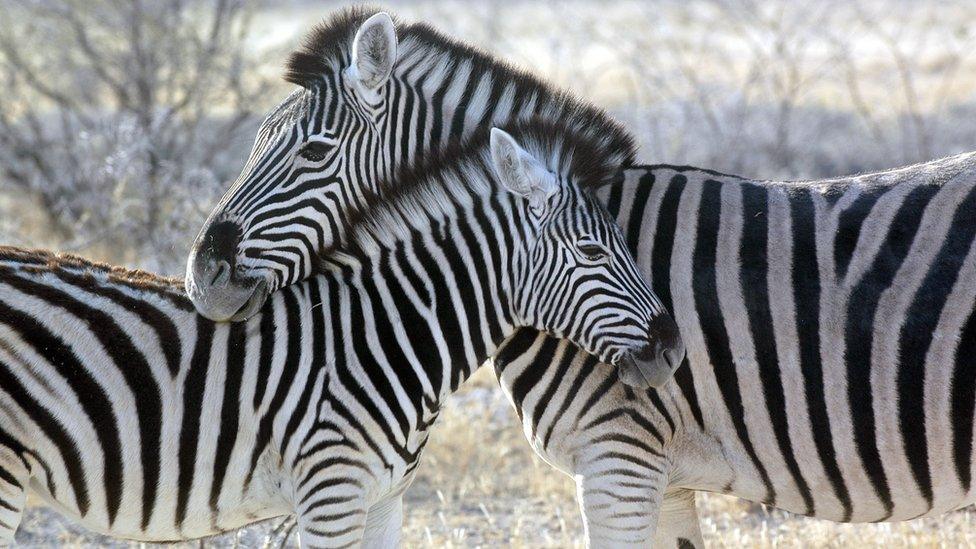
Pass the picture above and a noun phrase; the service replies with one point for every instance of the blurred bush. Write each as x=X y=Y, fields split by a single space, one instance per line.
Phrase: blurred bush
x=122 y=120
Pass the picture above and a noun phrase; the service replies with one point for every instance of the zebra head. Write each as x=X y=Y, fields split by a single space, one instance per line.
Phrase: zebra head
x=311 y=165
x=575 y=278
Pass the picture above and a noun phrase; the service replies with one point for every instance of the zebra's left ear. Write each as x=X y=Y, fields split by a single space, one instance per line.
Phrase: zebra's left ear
x=374 y=51
x=520 y=172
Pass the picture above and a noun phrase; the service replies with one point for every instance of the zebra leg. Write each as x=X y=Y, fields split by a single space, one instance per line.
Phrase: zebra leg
x=619 y=505
x=384 y=523
x=332 y=520
x=678 y=525
x=333 y=528
x=13 y=493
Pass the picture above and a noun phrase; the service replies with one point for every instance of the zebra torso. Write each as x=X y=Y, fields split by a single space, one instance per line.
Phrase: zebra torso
x=141 y=419
x=831 y=333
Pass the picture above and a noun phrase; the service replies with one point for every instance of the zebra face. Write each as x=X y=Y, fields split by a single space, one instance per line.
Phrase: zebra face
x=314 y=161
x=577 y=279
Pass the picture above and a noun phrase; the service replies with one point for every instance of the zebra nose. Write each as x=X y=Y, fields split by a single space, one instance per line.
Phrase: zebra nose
x=219 y=242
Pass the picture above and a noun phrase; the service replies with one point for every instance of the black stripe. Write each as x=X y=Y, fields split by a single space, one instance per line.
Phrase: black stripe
x=317 y=363
x=859 y=334
x=447 y=320
x=266 y=354
x=754 y=283
x=705 y=286
x=343 y=344
x=636 y=220
x=849 y=226
x=615 y=197
x=481 y=269
x=420 y=133
x=566 y=359
x=370 y=363
x=916 y=336
x=464 y=280
x=419 y=335
x=193 y=388
x=964 y=401
x=457 y=123
x=589 y=367
x=533 y=373
x=230 y=409
x=806 y=301
x=665 y=233
x=390 y=345
x=437 y=105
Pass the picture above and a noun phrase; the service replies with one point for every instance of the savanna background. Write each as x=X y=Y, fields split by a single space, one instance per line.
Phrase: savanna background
x=122 y=121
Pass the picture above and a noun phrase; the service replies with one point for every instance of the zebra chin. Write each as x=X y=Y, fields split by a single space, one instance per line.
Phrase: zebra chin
x=654 y=363
x=650 y=366
x=233 y=302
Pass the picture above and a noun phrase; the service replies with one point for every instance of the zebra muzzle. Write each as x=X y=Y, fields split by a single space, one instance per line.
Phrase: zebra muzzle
x=646 y=368
x=653 y=364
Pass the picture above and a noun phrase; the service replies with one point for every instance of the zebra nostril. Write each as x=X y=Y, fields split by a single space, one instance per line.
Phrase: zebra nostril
x=645 y=353
x=221 y=274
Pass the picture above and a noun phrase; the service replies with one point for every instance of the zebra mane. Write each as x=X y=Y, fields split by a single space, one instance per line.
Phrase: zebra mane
x=327 y=48
x=443 y=182
x=88 y=273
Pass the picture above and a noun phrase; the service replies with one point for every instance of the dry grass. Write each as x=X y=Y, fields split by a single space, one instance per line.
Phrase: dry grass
x=481 y=486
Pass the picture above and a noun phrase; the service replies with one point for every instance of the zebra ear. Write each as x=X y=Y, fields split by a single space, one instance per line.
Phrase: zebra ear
x=520 y=172
x=374 y=51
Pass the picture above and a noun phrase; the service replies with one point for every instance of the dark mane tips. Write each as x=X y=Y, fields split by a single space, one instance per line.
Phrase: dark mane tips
x=39 y=260
x=327 y=45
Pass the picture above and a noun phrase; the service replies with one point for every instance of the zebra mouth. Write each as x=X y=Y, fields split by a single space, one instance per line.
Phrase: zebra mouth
x=649 y=366
x=253 y=304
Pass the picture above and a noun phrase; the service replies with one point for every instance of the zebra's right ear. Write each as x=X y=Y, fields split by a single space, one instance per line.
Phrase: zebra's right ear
x=374 y=51
x=520 y=172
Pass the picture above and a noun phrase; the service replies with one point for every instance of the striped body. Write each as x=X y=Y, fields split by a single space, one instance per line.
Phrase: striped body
x=831 y=335
x=131 y=413
x=228 y=424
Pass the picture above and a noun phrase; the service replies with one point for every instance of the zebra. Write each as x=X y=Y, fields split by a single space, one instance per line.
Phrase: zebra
x=784 y=287
x=831 y=337
x=126 y=410
x=374 y=96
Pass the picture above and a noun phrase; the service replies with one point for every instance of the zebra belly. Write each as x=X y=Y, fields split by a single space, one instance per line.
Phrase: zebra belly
x=262 y=500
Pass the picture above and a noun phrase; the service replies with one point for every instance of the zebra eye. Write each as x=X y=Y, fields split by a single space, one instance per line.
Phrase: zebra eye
x=593 y=252
x=315 y=151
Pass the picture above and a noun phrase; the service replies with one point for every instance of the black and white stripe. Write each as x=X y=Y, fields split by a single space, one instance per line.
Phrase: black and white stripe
x=831 y=335
x=129 y=412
